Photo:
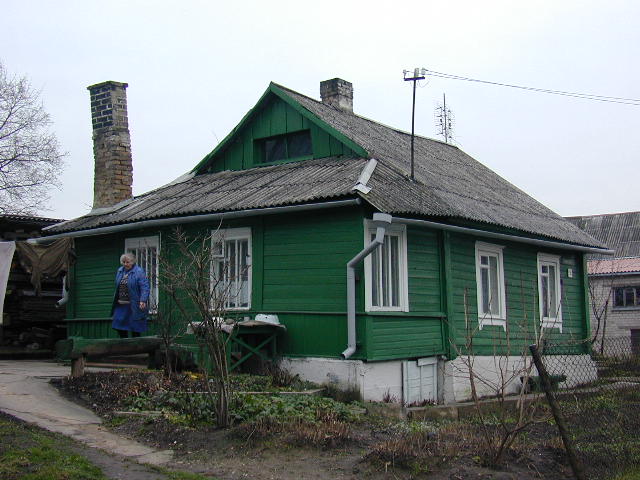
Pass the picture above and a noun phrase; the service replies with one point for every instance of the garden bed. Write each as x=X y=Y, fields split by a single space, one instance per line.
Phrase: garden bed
x=295 y=436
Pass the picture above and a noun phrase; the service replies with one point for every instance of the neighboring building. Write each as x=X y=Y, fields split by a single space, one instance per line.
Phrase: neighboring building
x=297 y=189
x=615 y=281
x=29 y=315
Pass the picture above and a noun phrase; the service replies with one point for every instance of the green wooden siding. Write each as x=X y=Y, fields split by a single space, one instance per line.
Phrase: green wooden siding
x=404 y=337
x=425 y=271
x=98 y=260
x=299 y=273
x=419 y=332
x=521 y=279
x=274 y=118
x=93 y=286
x=304 y=271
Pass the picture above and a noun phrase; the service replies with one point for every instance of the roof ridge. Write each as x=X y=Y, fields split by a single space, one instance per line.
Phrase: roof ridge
x=604 y=214
x=362 y=117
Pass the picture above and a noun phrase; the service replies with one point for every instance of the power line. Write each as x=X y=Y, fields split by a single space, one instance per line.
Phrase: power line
x=585 y=96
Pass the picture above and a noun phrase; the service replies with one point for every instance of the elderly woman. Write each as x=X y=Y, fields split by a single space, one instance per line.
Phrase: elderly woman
x=130 y=301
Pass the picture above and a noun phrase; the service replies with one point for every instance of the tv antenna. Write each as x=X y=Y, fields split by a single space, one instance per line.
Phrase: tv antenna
x=444 y=121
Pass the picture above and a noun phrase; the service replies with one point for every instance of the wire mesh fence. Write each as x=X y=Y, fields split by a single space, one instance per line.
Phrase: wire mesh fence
x=597 y=389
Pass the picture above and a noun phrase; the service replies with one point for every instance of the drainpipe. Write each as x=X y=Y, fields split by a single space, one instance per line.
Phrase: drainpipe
x=381 y=222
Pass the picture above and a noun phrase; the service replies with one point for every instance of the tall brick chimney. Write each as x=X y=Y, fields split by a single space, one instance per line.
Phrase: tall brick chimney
x=337 y=93
x=111 y=144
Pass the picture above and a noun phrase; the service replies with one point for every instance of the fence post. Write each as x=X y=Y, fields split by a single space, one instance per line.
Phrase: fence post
x=557 y=415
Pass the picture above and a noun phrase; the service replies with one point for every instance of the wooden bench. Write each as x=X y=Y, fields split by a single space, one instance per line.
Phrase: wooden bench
x=80 y=348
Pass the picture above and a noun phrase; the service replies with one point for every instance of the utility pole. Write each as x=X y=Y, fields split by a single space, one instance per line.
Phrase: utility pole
x=417 y=75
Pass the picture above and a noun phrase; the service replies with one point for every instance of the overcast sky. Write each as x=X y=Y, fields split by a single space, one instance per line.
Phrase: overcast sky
x=194 y=68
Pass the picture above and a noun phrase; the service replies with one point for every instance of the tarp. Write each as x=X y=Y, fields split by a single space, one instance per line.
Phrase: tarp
x=46 y=260
x=6 y=255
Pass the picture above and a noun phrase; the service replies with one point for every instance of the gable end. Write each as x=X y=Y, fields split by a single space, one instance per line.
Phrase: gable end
x=277 y=130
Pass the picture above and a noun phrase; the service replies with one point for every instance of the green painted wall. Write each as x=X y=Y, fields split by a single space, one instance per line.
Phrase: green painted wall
x=419 y=332
x=299 y=273
x=304 y=271
x=93 y=286
x=520 y=268
x=274 y=118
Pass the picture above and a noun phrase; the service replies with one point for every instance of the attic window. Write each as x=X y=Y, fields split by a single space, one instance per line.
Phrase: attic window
x=290 y=146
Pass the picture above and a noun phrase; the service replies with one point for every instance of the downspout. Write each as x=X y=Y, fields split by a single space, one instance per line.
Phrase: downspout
x=381 y=222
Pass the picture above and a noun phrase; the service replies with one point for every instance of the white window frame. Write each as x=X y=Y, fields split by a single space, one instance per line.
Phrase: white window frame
x=134 y=245
x=228 y=234
x=491 y=250
x=399 y=231
x=556 y=320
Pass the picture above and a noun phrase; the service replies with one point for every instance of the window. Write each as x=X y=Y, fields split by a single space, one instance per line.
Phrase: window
x=231 y=267
x=626 y=297
x=386 y=271
x=146 y=251
x=284 y=147
x=549 y=291
x=490 y=285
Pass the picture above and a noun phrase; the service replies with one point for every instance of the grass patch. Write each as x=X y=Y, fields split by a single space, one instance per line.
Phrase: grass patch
x=27 y=453
x=632 y=474
x=173 y=475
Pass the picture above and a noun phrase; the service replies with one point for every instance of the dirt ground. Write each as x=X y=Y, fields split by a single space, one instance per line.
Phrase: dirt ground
x=235 y=454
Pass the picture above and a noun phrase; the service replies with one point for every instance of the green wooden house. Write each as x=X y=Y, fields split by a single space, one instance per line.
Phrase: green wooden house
x=379 y=278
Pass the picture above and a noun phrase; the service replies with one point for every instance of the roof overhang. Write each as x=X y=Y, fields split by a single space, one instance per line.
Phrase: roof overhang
x=160 y=222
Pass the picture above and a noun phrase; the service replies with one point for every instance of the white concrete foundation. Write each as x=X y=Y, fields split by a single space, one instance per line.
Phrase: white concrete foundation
x=383 y=380
x=375 y=380
x=492 y=374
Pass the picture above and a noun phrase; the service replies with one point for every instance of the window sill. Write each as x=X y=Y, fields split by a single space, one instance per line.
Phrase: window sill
x=625 y=309
x=493 y=322
x=387 y=310
x=552 y=324
x=284 y=160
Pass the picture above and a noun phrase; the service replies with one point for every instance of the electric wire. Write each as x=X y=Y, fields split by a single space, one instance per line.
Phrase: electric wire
x=585 y=96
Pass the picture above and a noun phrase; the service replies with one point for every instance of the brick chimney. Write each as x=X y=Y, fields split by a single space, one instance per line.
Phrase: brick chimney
x=338 y=93
x=113 y=175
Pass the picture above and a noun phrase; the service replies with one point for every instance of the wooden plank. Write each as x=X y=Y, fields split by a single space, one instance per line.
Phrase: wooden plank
x=114 y=346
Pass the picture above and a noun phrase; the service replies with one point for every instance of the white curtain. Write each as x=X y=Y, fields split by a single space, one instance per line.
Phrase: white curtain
x=6 y=255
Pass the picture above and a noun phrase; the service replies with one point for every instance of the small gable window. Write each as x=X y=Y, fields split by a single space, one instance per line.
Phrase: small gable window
x=290 y=146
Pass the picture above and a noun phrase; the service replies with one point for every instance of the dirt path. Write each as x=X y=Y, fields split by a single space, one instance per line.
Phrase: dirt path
x=117 y=467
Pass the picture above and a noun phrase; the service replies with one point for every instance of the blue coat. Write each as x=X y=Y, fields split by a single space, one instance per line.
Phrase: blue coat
x=138 y=286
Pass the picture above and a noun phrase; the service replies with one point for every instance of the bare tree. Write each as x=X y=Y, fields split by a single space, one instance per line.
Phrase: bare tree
x=201 y=295
x=30 y=157
x=505 y=378
x=600 y=296
x=170 y=327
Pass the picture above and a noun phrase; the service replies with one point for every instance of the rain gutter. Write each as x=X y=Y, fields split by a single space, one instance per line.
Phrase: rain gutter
x=503 y=236
x=160 y=222
x=381 y=221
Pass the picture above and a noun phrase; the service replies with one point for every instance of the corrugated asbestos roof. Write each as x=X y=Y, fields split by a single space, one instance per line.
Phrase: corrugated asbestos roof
x=610 y=266
x=28 y=218
x=619 y=231
x=448 y=183
x=287 y=184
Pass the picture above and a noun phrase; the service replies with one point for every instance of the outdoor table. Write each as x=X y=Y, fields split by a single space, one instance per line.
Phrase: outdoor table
x=240 y=337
